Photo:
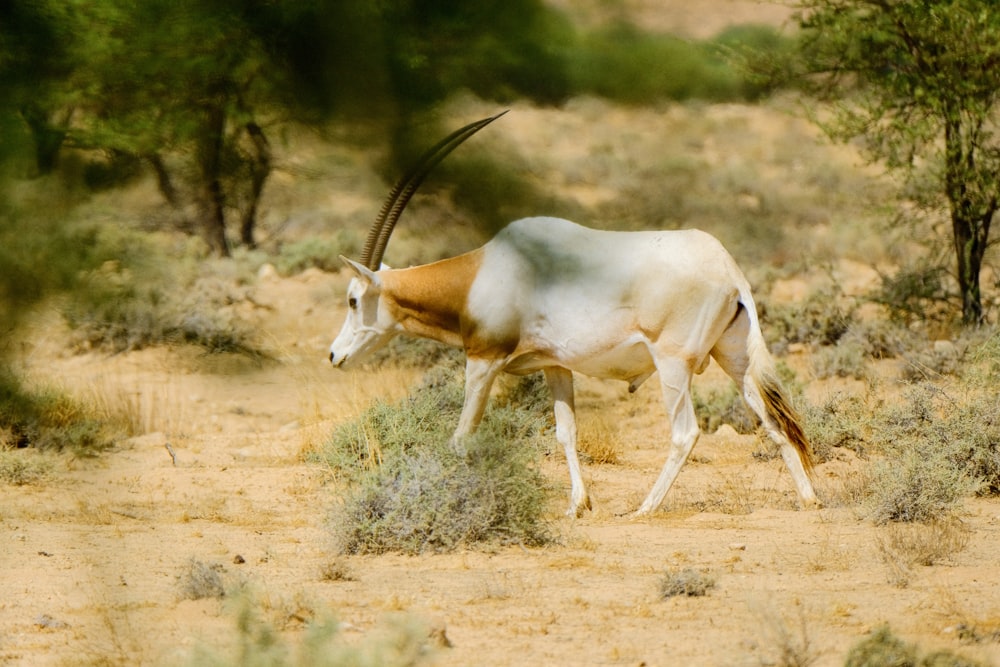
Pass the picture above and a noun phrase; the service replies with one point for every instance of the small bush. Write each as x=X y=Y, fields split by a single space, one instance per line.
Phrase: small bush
x=723 y=406
x=845 y=358
x=201 y=580
x=258 y=642
x=142 y=296
x=415 y=492
x=904 y=546
x=688 y=582
x=822 y=319
x=320 y=253
x=916 y=483
x=883 y=649
x=48 y=419
x=915 y=294
x=438 y=500
x=17 y=468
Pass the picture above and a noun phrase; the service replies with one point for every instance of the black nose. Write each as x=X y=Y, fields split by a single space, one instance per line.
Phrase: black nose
x=331 y=357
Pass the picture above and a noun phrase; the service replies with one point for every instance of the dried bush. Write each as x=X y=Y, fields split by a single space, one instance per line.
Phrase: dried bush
x=903 y=546
x=201 y=580
x=320 y=253
x=438 y=500
x=687 y=581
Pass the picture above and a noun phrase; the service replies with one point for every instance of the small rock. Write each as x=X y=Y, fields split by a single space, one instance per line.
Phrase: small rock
x=267 y=273
x=738 y=546
x=726 y=431
x=46 y=622
x=239 y=560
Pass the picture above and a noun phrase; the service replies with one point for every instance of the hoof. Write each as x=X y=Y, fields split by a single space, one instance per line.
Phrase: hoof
x=813 y=503
x=576 y=510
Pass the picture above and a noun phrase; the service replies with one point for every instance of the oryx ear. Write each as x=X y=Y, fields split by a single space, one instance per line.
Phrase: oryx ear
x=362 y=271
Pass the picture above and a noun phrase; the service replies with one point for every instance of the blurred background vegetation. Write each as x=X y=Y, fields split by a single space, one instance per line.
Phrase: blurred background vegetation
x=195 y=95
x=201 y=100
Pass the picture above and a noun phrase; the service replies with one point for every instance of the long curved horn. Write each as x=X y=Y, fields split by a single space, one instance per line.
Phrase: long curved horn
x=399 y=196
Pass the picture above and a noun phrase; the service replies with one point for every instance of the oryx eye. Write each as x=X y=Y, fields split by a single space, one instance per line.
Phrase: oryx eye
x=352 y=303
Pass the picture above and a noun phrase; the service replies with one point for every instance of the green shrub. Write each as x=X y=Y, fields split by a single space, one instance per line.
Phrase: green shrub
x=320 y=253
x=936 y=451
x=413 y=491
x=625 y=64
x=257 y=641
x=883 y=649
x=917 y=483
x=915 y=294
x=723 y=406
x=841 y=421
x=821 y=319
x=438 y=500
x=48 y=419
x=845 y=358
x=18 y=468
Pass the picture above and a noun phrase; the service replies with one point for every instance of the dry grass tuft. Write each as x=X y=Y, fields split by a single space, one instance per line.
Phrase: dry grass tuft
x=201 y=580
x=686 y=582
x=599 y=441
x=901 y=547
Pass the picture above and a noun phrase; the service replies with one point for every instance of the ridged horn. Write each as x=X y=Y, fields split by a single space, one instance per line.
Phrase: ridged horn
x=399 y=196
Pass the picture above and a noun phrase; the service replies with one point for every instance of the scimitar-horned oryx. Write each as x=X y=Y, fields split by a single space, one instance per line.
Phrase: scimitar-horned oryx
x=548 y=295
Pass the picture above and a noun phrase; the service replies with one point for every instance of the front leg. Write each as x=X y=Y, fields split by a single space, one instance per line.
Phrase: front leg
x=561 y=384
x=479 y=377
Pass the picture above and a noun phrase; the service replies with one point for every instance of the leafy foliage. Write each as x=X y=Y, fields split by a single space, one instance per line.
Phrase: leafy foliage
x=923 y=96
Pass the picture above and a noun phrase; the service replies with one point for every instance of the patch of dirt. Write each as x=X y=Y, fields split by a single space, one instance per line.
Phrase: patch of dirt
x=93 y=558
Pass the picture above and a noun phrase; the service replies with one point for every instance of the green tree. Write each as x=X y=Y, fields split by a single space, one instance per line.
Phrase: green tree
x=922 y=82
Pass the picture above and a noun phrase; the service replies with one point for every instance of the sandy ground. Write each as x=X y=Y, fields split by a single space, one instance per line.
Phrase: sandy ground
x=94 y=557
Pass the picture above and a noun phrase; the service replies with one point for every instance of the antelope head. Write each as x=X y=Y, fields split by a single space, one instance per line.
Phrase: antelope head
x=370 y=324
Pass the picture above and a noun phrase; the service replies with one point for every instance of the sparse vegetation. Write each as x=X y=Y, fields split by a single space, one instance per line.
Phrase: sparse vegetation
x=903 y=546
x=723 y=406
x=258 y=641
x=320 y=253
x=783 y=204
x=45 y=418
x=415 y=491
x=686 y=582
x=201 y=580
x=18 y=468
x=145 y=297
x=884 y=649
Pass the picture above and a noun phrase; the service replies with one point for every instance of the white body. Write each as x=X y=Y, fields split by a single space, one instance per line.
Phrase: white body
x=547 y=294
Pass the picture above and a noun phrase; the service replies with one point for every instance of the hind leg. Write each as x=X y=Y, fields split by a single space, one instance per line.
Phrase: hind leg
x=731 y=353
x=675 y=378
